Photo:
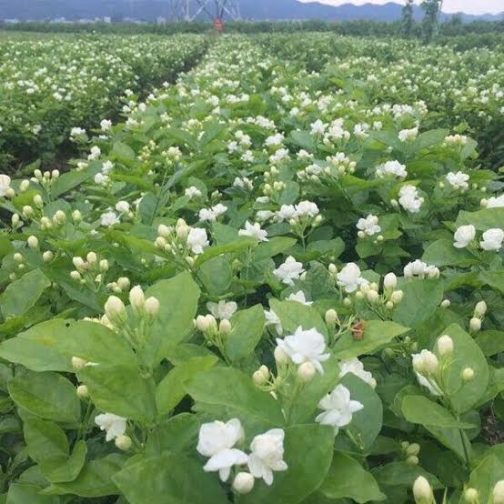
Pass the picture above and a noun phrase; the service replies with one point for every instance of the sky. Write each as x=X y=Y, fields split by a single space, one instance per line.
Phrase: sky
x=449 y=6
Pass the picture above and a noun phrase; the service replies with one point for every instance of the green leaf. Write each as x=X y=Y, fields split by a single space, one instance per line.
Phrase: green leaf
x=366 y=424
x=482 y=219
x=273 y=247
x=22 y=294
x=485 y=476
x=402 y=474
x=47 y=395
x=171 y=479
x=466 y=354
x=247 y=329
x=95 y=479
x=347 y=479
x=234 y=394
x=420 y=410
x=376 y=335
x=293 y=315
x=494 y=279
x=216 y=275
x=24 y=493
x=421 y=299
x=178 y=298
x=443 y=253
x=234 y=247
x=308 y=454
x=69 y=469
x=171 y=389
x=45 y=441
x=174 y=434
x=121 y=390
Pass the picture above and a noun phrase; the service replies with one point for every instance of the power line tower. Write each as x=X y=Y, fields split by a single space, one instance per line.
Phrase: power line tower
x=189 y=10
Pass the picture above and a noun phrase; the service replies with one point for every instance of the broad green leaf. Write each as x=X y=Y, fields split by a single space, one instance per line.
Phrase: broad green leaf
x=171 y=389
x=420 y=410
x=234 y=394
x=482 y=219
x=247 y=329
x=121 y=390
x=402 y=474
x=95 y=479
x=68 y=469
x=366 y=424
x=273 y=247
x=24 y=493
x=216 y=275
x=466 y=354
x=178 y=298
x=376 y=335
x=485 y=476
x=308 y=454
x=175 y=434
x=22 y=294
x=421 y=299
x=293 y=315
x=169 y=479
x=443 y=253
x=239 y=245
x=47 y=395
x=348 y=479
x=494 y=279
x=45 y=441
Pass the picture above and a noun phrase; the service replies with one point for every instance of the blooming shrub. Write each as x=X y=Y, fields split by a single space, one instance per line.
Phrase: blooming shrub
x=258 y=287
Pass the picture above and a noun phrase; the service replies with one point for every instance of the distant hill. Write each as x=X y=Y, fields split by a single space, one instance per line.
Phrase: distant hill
x=149 y=10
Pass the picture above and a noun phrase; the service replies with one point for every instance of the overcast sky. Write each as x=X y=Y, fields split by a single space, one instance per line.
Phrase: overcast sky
x=468 y=6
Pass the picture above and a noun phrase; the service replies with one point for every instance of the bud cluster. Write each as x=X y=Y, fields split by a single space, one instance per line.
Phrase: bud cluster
x=410 y=452
x=479 y=313
x=90 y=268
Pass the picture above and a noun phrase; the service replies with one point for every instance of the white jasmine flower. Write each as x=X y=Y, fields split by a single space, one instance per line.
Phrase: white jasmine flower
x=101 y=179
x=369 y=226
x=289 y=271
x=305 y=346
x=113 y=425
x=211 y=214
x=95 y=153
x=318 y=127
x=105 y=124
x=420 y=269
x=300 y=297
x=464 y=235
x=109 y=219
x=5 y=182
x=254 y=231
x=495 y=202
x=492 y=239
x=222 y=309
x=192 y=192
x=197 y=240
x=338 y=408
x=266 y=456
x=306 y=209
x=122 y=207
x=286 y=213
x=393 y=168
x=216 y=440
x=356 y=367
x=410 y=199
x=271 y=318
x=350 y=278
x=107 y=167
x=408 y=135
x=458 y=180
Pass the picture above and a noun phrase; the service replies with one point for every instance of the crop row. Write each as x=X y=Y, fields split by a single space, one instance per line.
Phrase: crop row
x=48 y=86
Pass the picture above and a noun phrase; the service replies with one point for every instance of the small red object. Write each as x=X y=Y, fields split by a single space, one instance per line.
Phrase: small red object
x=218 y=25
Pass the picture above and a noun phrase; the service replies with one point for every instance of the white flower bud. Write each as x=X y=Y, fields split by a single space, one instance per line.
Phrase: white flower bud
x=75 y=275
x=331 y=317
x=413 y=449
x=211 y=323
x=104 y=265
x=18 y=257
x=445 y=303
x=430 y=363
x=82 y=392
x=389 y=305
x=47 y=256
x=412 y=460
x=467 y=374
x=38 y=201
x=498 y=493
x=78 y=363
x=480 y=309
x=422 y=491
x=471 y=496
x=306 y=371
x=76 y=216
x=372 y=296
x=123 y=283
x=91 y=258
x=333 y=269
x=243 y=483
x=475 y=324
x=15 y=219
x=115 y=309
x=224 y=326
x=390 y=281
x=201 y=323
x=79 y=263
x=163 y=231
x=137 y=298
x=280 y=356
x=160 y=242
x=397 y=296
x=23 y=186
x=59 y=217
x=261 y=376
x=33 y=242
x=151 y=306
x=123 y=442
x=445 y=345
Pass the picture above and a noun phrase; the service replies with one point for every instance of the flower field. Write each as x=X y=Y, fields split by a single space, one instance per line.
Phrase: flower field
x=278 y=279
x=50 y=85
